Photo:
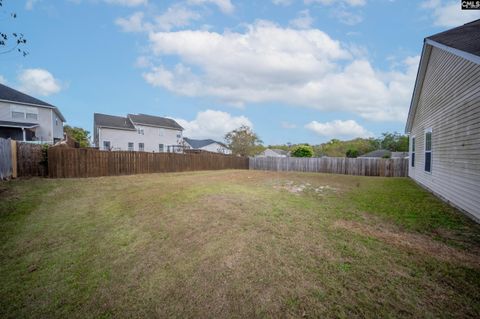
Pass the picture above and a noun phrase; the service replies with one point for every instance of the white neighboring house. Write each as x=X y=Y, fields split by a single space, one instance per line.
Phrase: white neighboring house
x=207 y=145
x=444 y=118
x=25 y=118
x=274 y=152
x=140 y=132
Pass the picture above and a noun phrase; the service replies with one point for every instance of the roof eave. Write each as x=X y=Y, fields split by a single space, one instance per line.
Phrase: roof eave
x=159 y=126
x=422 y=69
x=467 y=56
x=114 y=127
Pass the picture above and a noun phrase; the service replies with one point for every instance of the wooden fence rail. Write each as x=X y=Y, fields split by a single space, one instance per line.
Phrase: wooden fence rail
x=68 y=162
x=396 y=167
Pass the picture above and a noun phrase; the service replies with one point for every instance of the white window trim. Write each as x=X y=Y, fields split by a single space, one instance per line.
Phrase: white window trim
x=132 y=148
x=427 y=130
x=103 y=145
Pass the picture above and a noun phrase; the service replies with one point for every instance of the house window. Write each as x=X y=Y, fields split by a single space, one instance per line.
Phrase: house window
x=141 y=147
x=428 y=150
x=56 y=121
x=141 y=131
x=106 y=145
x=130 y=146
x=413 y=151
x=32 y=116
x=161 y=147
x=18 y=115
x=179 y=135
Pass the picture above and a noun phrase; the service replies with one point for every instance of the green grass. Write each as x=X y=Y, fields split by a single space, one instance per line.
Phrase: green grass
x=234 y=244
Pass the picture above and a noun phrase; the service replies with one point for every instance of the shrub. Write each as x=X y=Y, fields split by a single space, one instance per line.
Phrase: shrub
x=303 y=151
x=352 y=153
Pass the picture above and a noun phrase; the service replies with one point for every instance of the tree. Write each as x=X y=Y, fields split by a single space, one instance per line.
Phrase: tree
x=12 y=41
x=243 y=141
x=302 y=151
x=394 y=142
x=352 y=153
x=78 y=134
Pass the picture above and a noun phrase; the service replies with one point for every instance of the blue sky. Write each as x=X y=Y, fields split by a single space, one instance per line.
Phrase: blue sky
x=295 y=70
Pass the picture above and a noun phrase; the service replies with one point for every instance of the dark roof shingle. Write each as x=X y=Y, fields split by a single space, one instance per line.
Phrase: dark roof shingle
x=18 y=124
x=465 y=38
x=377 y=153
x=112 y=121
x=9 y=94
x=154 y=121
x=197 y=144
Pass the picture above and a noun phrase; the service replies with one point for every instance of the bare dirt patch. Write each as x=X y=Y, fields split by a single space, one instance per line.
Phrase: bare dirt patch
x=298 y=188
x=411 y=241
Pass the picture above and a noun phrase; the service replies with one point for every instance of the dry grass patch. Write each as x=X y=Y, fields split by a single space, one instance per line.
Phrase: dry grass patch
x=231 y=244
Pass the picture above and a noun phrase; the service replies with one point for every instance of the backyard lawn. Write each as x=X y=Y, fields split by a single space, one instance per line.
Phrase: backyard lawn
x=230 y=243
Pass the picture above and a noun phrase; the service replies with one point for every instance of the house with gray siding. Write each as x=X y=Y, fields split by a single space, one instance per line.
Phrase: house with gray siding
x=207 y=145
x=137 y=132
x=25 y=118
x=444 y=119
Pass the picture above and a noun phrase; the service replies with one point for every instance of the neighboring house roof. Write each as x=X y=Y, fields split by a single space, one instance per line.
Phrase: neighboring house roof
x=279 y=151
x=118 y=122
x=462 y=41
x=197 y=144
x=399 y=154
x=18 y=124
x=157 y=121
x=377 y=153
x=8 y=94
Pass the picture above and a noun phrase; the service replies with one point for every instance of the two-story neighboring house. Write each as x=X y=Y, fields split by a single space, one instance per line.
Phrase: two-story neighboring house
x=139 y=132
x=25 y=118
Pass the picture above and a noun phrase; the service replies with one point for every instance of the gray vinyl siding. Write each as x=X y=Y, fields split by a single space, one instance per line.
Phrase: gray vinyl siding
x=449 y=105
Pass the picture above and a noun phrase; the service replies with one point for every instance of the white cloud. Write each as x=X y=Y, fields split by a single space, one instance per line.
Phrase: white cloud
x=174 y=17
x=225 y=6
x=261 y=65
x=347 y=17
x=134 y=23
x=212 y=124
x=449 y=13
x=3 y=80
x=353 y=3
x=338 y=128
x=128 y=3
x=303 y=20
x=30 y=4
x=38 y=81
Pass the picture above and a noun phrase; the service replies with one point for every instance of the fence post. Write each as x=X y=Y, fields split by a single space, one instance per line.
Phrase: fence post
x=13 y=147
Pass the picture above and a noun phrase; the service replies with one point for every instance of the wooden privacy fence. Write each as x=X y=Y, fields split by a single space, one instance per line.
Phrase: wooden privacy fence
x=30 y=160
x=6 y=167
x=84 y=162
x=396 y=167
x=18 y=159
